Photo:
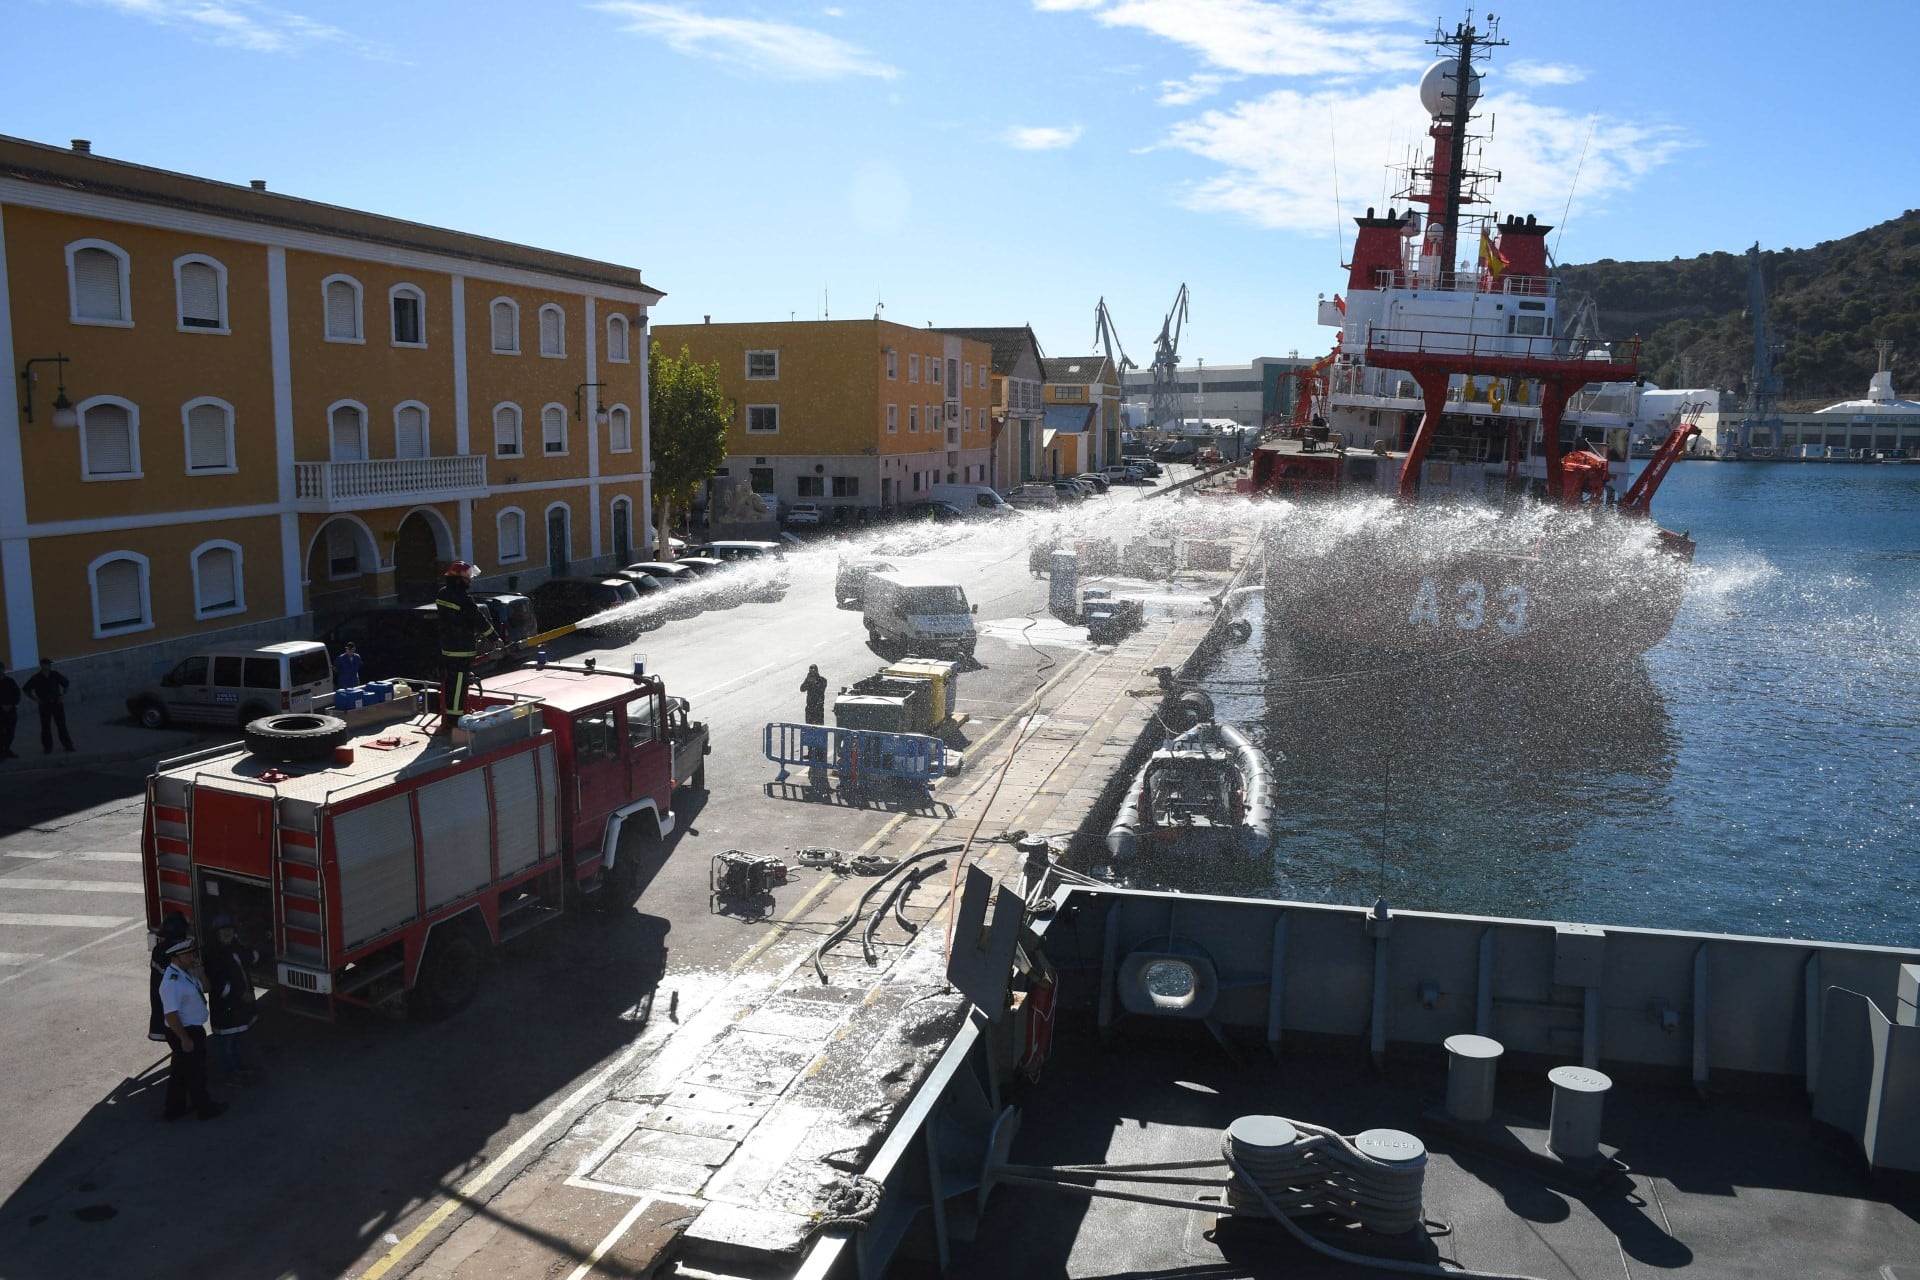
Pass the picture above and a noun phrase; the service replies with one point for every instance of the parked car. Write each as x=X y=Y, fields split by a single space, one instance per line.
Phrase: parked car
x=1097 y=479
x=670 y=582
x=1070 y=490
x=559 y=601
x=850 y=580
x=1127 y=474
x=235 y=684
x=765 y=563
x=701 y=566
x=1034 y=495
x=1148 y=467
x=741 y=550
x=803 y=514
x=937 y=511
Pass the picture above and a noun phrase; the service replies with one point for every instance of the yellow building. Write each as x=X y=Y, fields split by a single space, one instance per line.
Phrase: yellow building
x=1082 y=415
x=1018 y=408
x=241 y=413
x=852 y=413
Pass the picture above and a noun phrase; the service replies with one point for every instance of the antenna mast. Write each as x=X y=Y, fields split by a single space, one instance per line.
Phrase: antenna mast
x=1463 y=45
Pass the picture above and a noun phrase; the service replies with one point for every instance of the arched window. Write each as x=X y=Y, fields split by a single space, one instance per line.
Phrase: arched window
x=200 y=292
x=553 y=331
x=109 y=438
x=617 y=339
x=208 y=423
x=512 y=540
x=218 y=587
x=97 y=283
x=553 y=430
x=410 y=430
x=506 y=326
x=619 y=429
x=347 y=430
x=408 y=305
x=121 y=599
x=342 y=294
x=506 y=431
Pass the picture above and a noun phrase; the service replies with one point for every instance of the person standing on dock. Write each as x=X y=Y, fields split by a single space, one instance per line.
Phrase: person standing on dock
x=815 y=687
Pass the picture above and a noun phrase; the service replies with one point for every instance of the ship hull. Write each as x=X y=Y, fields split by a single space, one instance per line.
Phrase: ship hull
x=1587 y=587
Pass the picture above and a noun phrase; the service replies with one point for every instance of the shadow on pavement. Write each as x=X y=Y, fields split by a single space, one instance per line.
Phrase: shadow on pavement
x=905 y=799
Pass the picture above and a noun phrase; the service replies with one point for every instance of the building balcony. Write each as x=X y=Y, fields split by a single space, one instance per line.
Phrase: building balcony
x=387 y=482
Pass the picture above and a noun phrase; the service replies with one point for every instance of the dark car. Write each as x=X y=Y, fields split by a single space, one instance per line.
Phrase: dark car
x=664 y=586
x=1097 y=479
x=850 y=581
x=764 y=564
x=701 y=566
x=561 y=601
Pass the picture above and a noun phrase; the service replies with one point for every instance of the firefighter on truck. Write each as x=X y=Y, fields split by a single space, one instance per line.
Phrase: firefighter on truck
x=462 y=623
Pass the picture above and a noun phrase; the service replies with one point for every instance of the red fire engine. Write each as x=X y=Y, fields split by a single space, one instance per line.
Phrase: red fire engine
x=386 y=868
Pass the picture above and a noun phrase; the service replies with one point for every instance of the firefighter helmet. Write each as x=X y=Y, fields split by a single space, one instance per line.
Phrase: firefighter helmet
x=461 y=569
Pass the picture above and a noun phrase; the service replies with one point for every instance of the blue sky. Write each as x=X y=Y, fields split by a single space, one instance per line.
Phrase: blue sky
x=995 y=162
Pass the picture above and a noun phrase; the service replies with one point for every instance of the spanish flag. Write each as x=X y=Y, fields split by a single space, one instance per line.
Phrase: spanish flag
x=1491 y=260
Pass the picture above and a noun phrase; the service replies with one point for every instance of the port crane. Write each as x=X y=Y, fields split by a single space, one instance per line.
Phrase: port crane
x=1105 y=338
x=1164 y=406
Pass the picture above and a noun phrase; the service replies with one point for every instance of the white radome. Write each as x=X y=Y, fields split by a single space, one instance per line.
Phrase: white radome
x=1436 y=88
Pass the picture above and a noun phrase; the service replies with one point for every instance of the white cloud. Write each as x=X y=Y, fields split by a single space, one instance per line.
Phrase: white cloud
x=834 y=11
x=1277 y=155
x=1184 y=93
x=1254 y=37
x=1538 y=73
x=246 y=24
x=750 y=44
x=1042 y=137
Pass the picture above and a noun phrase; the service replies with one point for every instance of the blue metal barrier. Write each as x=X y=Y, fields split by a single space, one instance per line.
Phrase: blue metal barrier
x=857 y=757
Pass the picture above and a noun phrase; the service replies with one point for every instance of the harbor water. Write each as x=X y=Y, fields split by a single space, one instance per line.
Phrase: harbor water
x=1754 y=773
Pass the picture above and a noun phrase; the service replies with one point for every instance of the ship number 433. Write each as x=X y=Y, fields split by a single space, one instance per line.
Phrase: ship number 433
x=1470 y=607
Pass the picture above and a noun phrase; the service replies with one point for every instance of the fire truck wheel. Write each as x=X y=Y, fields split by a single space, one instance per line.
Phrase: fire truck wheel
x=700 y=776
x=299 y=736
x=450 y=975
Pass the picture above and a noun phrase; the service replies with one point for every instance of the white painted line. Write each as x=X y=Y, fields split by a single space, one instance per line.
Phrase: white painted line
x=48 y=921
x=78 y=855
x=74 y=951
x=694 y=698
x=69 y=886
x=14 y=958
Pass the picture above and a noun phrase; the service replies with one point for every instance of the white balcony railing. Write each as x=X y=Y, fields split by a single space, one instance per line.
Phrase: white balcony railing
x=386 y=482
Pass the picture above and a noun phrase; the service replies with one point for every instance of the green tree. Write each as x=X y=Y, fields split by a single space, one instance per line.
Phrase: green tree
x=688 y=417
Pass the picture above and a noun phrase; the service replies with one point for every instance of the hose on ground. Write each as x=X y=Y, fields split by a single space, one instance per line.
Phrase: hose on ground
x=895 y=896
x=845 y=926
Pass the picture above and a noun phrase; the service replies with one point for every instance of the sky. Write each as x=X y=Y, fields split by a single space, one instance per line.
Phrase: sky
x=996 y=161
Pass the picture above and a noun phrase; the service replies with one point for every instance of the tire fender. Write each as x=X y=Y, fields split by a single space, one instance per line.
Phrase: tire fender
x=466 y=918
x=610 y=842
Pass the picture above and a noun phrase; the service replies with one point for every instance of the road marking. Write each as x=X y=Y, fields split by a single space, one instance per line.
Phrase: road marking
x=48 y=921
x=694 y=698
x=11 y=958
x=69 y=886
x=500 y=1163
x=78 y=855
x=74 y=951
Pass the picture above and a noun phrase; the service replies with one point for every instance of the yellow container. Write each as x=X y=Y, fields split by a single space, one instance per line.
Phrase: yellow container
x=945 y=678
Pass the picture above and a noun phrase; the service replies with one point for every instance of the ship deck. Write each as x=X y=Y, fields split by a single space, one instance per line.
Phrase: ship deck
x=1735 y=1186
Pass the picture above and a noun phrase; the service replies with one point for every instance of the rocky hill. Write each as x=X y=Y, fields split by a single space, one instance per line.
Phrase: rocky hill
x=1826 y=304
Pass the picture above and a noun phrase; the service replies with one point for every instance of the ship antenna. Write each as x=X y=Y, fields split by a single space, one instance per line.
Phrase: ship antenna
x=1572 y=187
x=1339 y=225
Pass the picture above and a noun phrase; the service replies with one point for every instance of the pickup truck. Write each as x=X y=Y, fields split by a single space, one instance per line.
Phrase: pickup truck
x=690 y=743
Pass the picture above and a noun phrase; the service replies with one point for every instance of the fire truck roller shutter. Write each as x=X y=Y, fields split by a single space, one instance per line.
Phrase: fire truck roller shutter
x=453 y=836
x=513 y=812
x=550 y=809
x=374 y=849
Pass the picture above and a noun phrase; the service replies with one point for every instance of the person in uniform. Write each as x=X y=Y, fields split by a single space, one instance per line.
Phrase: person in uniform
x=9 y=714
x=228 y=964
x=48 y=689
x=462 y=623
x=348 y=665
x=173 y=927
x=815 y=687
x=183 y=1002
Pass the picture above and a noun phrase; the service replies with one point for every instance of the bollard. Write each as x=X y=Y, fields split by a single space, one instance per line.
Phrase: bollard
x=1579 y=1093
x=1472 y=1064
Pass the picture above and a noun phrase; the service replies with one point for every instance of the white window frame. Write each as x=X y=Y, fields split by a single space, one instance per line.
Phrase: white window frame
x=913 y=368
x=747 y=420
x=893 y=364
x=239 y=604
x=936 y=375
x=519 y=430
x=751 y=376
x=566 y=440
x=513 y=307
x=359 y=337
x=133 y=438
x=365 y=451
x=426 y=425
x=617 y=320
x=180 y=300
x=419 y=296
x=146 y=593
x=126 y=286
x=186 y=433
x=499 y=524
x=628 y=413
x=966 y=373
x=893 y=419
x=541 y=329
x=913 y=419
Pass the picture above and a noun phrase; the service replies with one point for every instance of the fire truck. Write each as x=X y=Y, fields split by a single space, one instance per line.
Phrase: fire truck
x=380 y=862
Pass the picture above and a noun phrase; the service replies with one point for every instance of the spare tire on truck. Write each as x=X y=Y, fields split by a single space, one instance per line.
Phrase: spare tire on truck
x=296 y=735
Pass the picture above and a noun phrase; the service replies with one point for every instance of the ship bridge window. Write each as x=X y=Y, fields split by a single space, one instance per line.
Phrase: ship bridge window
x=1533 y=306
x=1527 y=326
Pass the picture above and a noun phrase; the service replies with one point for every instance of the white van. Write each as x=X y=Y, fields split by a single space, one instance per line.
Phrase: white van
x=923 y=616
x=236 y=684
x=972 y=499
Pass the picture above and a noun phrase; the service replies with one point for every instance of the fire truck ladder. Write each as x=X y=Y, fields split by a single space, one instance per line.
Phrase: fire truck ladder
x=300 y=909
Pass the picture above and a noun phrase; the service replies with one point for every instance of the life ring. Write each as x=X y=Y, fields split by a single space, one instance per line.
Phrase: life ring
x=1496 y=396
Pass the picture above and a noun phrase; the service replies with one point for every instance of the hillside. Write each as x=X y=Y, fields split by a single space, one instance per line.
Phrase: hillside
x=1827 y=305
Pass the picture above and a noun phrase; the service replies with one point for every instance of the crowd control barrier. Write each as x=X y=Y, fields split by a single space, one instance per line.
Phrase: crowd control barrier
x=856 y=757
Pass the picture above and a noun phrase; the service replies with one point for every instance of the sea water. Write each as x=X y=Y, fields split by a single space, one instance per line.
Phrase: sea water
x=1757 y=772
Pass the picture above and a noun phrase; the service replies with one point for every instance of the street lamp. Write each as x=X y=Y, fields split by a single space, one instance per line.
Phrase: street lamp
x=64 y=416
x=600 y=415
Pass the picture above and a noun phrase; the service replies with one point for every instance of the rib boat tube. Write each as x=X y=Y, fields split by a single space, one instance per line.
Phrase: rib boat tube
x=1207 y=791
